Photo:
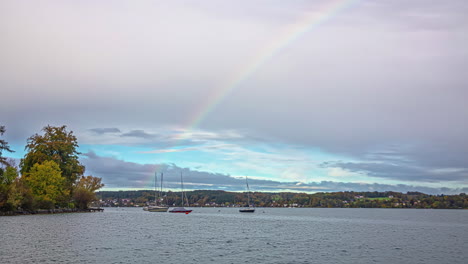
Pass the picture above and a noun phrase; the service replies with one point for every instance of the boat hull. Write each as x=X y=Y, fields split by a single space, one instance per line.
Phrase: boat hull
x=157 y=209
x=247 y=210
x=180 y=211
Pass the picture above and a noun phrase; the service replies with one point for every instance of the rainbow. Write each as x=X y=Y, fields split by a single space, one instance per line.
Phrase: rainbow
x=308 y=22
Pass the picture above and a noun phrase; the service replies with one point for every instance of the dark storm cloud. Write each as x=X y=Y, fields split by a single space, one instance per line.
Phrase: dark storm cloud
x=121 y=174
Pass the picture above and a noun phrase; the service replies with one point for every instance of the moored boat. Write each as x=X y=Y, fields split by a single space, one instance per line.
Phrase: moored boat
x=158 y=206
x=249 y=208
x=181 y=209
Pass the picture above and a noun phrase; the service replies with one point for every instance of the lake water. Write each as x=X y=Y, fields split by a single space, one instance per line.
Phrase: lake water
x=223 y=235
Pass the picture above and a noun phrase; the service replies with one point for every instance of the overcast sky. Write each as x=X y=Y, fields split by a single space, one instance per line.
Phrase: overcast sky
x=297 y=95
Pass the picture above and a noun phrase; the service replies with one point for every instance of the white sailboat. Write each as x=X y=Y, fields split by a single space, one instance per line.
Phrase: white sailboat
x=182 y=209
x=157 y=207
x=249 y=208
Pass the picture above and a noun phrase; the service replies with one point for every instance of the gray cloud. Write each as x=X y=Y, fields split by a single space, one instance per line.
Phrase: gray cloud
x=378 y=73
x=166 y=137
x=138 y=134
x=119 y=174
x=105 y=130
x=399 y=171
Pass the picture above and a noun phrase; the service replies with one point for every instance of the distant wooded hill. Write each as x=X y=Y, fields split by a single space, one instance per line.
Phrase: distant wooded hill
x=286 y=199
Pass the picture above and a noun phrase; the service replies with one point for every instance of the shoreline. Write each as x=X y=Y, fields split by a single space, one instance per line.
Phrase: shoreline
x=51 y=211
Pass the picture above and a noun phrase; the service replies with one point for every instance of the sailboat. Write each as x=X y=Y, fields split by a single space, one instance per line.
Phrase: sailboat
x=157 y=207
x=249 y=208
x=182 y=209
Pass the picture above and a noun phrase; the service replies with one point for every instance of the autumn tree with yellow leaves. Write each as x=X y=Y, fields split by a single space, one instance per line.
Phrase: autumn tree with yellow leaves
x=46 y=183
x=52 y=175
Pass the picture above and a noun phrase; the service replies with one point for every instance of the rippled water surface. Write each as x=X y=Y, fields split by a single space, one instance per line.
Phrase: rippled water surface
x=223 y=235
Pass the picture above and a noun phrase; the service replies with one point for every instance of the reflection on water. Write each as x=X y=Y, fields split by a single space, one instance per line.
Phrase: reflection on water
x=223 y=235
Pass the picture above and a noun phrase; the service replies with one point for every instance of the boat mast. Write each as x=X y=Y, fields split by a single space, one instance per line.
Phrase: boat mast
x=248 y=191
x=155 y=192
x=161 y=191
x=182 y=189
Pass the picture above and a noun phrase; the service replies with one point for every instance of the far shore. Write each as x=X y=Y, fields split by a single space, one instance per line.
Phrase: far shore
x=51 y=211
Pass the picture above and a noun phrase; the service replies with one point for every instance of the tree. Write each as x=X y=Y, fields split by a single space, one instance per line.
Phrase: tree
x=46 y=183
x=3 y=147
x=85 y=191
x=8 y=174
x=58 y=145
x=9 y=196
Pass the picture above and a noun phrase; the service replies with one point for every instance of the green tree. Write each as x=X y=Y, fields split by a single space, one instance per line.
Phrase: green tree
x=15 y=196
x=58 y=145
x=46 y=183
x=9 y=175
x=9 y=195
x=85 y=191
